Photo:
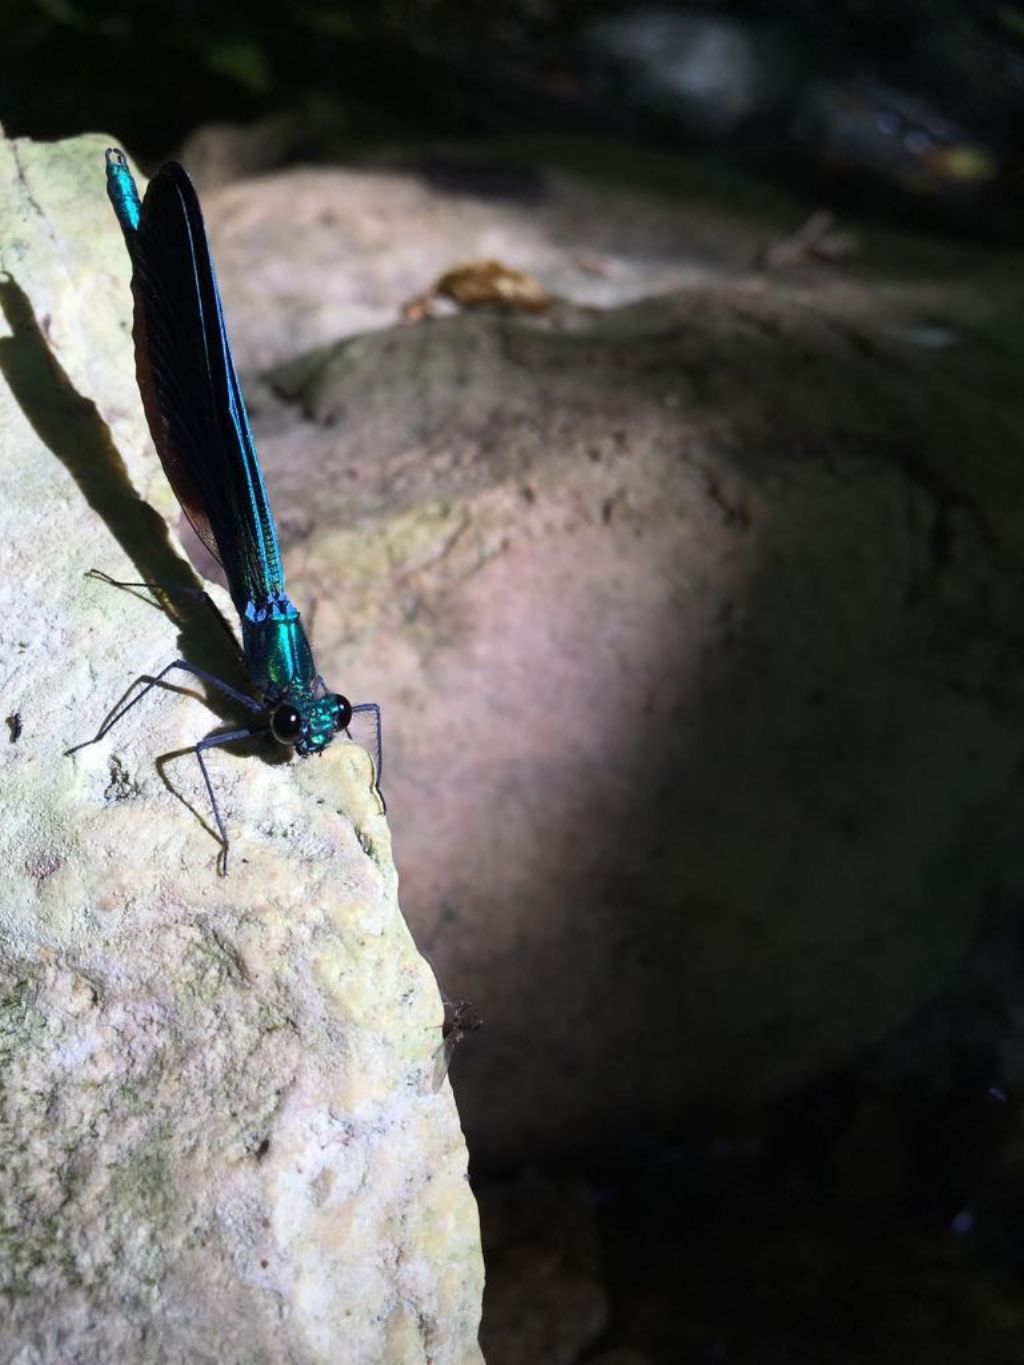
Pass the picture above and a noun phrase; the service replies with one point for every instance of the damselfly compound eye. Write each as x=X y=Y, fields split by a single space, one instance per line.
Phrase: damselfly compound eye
x=344 y=717
x=286 y=724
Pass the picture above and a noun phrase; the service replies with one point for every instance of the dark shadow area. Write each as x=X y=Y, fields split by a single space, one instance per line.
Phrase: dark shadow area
x=906 y=110
x=873 y=1213
x=73 y=430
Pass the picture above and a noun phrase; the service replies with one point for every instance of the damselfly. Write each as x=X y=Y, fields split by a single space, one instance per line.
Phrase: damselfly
x=197 y=417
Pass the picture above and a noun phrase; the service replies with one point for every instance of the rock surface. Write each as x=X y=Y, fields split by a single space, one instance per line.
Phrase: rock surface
x=219 y=1136
x=707 y=607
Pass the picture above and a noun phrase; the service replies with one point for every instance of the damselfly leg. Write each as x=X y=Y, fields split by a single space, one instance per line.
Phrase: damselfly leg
x=212 y=742
x=208 y=743
x=376 y=750
x=185 y=667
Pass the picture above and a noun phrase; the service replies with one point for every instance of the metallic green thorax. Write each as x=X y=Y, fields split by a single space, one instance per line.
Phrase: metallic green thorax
x=281 y=667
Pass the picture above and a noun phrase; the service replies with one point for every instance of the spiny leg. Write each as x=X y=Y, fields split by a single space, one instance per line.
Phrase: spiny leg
x=200 y=673
x=363 y=708
x=374 y=709
x=211 y=742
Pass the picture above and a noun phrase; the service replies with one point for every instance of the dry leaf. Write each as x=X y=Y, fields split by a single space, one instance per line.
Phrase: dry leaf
x=481 y=284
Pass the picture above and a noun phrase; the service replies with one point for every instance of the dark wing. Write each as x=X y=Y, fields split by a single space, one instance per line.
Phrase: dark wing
x=190 y=390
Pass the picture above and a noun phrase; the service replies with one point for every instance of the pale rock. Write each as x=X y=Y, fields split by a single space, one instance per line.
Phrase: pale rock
x=219 y=1138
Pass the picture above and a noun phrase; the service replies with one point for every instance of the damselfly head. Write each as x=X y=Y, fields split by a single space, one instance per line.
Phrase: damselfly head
x=311 y=725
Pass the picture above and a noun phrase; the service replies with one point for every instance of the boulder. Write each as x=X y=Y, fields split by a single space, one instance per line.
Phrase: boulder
x=695 y=619
x=221 y=1140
